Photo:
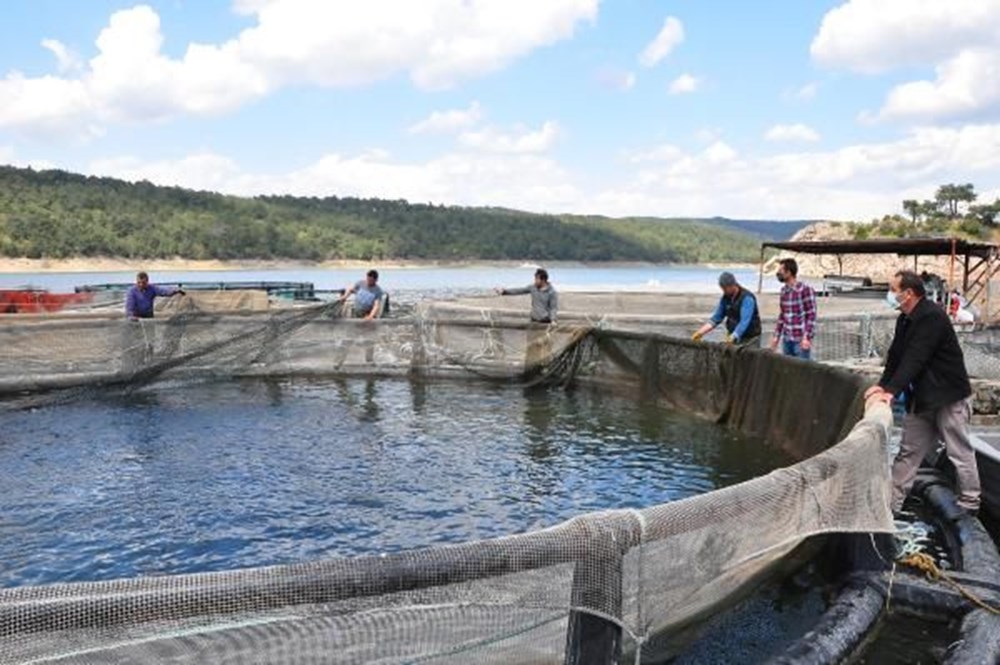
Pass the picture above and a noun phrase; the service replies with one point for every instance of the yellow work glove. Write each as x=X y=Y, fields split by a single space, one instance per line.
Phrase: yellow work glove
x=730 y=339
x=696 y=337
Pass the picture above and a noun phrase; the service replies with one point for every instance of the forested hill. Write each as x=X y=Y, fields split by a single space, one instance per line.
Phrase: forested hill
x=55 y=214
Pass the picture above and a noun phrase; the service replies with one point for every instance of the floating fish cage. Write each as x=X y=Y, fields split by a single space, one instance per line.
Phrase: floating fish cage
x=606 y=587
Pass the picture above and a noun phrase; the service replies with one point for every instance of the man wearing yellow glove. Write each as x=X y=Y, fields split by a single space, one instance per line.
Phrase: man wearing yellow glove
x=738 y=308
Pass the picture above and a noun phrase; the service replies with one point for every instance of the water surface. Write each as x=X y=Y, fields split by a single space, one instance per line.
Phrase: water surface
x=225 y=475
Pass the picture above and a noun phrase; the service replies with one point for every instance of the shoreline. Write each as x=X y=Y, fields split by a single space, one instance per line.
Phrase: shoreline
x=112 y=264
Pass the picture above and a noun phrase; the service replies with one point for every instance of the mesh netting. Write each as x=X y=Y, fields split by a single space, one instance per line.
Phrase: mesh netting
x=615 y=582
x=846 y=330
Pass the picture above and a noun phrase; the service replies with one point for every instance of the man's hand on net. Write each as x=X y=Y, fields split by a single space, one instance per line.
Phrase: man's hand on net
x=806 y=344
x=879 y=393
x=696 y=337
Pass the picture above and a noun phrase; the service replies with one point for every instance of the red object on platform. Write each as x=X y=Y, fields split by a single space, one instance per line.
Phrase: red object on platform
x=32 y=301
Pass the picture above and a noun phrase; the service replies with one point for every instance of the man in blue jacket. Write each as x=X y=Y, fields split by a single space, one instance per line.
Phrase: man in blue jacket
x=926 y=363
x=139 y=301
x=738 y=308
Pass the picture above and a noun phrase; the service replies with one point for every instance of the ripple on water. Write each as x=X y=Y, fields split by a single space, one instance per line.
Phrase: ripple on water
x=220 y=476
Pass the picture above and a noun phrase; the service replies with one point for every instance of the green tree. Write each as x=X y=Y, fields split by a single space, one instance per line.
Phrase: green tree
x=950 y=197
x=913 y=209
x=986 y=213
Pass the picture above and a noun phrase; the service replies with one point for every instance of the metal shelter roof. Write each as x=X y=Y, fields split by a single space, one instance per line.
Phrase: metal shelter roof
x=901 y=246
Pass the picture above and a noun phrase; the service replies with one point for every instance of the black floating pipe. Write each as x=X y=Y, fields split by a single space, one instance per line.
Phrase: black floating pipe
x=980 y=642
x=840 y=630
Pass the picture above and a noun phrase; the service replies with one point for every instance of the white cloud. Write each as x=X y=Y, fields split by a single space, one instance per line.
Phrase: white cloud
x=438 y=43
x=708 y=134
x=448 y=121
x=805 y=93
x=796 y=132
x=872 y=36
x=66 y=60
x=616 y=79
x=203 y=170
x=516 y=181
x=959 y=38
x=665 y=152
x=853 y=182
x=671 y=36
x=966 y=85
x=520 y=141
x=683 y=84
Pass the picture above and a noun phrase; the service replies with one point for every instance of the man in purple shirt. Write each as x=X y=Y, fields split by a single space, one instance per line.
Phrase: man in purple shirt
x=139 y=301
x=796 y=325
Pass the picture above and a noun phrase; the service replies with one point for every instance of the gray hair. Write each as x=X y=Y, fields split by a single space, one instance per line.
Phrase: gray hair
x=727 y=279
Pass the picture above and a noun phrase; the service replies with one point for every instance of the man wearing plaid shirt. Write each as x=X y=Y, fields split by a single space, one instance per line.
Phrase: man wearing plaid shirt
x=797 y=318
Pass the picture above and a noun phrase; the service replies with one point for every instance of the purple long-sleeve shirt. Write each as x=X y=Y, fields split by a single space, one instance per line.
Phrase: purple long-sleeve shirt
x=139 y=302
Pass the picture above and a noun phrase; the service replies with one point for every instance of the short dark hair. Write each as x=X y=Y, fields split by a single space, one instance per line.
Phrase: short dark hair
x=791 y=265
x=142 y=275
x=373 y=274
x=542 y=274
x=911 y=280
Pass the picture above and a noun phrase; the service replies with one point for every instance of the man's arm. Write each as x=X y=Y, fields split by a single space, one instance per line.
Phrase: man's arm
x=747 y=309
x=518 y=291
x=924 y=339
x=166 y=291
x=553 y=305
x=348 y=291
x=809 y=311
x=719 y=312
x=713 y=321
x=376 y=308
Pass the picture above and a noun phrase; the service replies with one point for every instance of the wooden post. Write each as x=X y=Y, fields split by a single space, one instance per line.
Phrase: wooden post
x=965 y=276
x=951 y=268
x=988 y=314
x=760 y=278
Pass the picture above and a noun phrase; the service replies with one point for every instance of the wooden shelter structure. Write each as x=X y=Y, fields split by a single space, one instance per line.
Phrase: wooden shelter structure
x=979 y=262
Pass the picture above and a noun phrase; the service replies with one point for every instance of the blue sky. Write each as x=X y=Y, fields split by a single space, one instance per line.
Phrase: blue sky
x=783 y=109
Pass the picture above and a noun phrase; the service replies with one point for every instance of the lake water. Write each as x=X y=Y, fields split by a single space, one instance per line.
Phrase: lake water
x=228 y=475
x=434 y=282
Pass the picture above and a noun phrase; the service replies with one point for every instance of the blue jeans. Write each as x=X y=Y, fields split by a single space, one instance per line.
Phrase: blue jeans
x=794 y=349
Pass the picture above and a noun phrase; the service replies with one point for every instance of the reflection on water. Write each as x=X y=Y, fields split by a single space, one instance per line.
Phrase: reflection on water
x=218 y=476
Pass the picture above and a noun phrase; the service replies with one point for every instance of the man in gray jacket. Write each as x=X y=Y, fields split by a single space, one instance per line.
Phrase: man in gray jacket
x=544 y=299
x=544 y=308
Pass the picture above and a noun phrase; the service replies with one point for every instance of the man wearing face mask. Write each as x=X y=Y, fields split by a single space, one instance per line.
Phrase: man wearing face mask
x=738 y=308
x=926 y=363
x=796 y=325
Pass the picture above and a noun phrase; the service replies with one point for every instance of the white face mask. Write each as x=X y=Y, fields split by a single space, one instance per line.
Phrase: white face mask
x=892 y=300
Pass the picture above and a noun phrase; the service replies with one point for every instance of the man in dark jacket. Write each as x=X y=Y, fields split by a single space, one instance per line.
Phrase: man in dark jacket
x=926 y=364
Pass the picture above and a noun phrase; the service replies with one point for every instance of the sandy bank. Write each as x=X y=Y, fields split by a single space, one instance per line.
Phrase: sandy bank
x=116 y=264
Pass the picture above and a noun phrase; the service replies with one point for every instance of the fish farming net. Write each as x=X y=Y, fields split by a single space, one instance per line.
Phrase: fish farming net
x=602 y=587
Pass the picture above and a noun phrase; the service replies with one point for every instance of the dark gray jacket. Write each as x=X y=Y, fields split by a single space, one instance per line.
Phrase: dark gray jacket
x=544 y=301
